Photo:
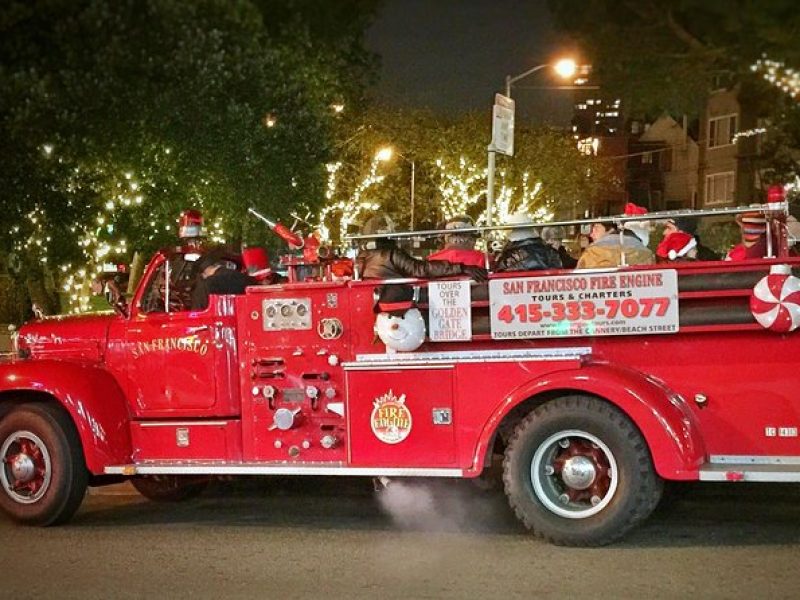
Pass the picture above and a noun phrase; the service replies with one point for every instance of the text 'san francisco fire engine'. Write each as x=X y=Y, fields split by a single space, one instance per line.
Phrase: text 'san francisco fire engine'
x=596 y=386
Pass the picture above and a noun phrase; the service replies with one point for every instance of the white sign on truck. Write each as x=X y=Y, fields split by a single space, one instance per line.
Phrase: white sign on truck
x=591 y=304
x=449 y=311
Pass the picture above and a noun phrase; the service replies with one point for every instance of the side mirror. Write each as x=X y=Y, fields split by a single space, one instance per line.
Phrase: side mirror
x=117 y=298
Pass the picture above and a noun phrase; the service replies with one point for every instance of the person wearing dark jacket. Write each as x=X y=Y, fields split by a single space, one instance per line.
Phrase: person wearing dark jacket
x=553 y=236
x=216 y=275
x=525 y=250
x=382 y=259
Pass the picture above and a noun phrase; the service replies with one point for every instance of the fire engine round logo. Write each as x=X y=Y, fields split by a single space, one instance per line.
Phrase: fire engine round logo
x=390 y=419
x=775 y=302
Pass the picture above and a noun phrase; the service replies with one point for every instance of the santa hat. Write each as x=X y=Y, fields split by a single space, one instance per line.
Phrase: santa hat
x=676 y=245
x=394 y=299
x=640 y=228
x=256 y=262
x=753 y=225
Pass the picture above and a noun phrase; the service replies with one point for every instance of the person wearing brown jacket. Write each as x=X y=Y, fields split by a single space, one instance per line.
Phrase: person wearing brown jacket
x=608 y=247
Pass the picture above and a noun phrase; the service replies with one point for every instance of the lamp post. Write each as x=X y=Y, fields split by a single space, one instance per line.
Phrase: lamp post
x=566 y=68
x=385 y=154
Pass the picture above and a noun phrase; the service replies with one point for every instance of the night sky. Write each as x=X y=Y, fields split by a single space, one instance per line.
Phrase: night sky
x=453 y=55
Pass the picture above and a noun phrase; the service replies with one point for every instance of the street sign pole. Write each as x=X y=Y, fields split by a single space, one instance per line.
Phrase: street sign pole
x=502 y=142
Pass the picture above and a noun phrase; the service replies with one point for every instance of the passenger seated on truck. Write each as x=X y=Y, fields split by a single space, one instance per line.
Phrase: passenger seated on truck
x=606 y=249
x=217 y=275
x=381 y=258
x=554 y=236
x=525 y=250
x=181 y=283
x=256 y=265
x=753 y=226
x=459 y=247
x=675 y=238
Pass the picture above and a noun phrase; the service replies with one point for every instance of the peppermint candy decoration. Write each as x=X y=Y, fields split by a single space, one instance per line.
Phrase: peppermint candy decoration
x=775 y=302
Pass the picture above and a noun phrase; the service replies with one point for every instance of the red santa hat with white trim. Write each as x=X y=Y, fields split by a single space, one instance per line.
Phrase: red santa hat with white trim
x=676 y=245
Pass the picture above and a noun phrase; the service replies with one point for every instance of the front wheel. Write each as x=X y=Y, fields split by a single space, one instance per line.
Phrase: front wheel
x=577 y=472
x=42 y=472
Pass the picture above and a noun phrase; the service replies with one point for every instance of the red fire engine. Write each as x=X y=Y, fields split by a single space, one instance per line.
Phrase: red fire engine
x=595 y=385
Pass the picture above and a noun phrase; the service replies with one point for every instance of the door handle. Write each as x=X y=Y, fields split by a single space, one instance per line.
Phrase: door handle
x=198 y=329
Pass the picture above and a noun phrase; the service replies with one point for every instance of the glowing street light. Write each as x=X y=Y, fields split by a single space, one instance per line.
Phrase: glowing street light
x=384 y=154
x=564 y=68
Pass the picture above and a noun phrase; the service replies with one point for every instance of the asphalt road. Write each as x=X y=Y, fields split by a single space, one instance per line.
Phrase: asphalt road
x=334 y=538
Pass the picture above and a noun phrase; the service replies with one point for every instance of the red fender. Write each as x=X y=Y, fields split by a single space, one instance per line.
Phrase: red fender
x=92 y=397
x=666 y=422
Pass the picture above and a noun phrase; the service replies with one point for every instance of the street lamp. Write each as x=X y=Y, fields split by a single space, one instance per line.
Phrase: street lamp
x=566 y=68
x=385 y=154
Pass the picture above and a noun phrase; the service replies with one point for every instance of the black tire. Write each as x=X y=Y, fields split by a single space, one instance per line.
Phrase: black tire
x=169 y=488
x=571 y=494
x=41 y=437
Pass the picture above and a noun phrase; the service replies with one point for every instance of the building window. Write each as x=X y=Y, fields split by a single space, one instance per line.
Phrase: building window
x=719 y=188
x=647 y=158
x=589 y=146
x=721 y=131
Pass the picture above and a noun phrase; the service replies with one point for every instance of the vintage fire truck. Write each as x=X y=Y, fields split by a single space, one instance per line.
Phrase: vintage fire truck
x=595 y=386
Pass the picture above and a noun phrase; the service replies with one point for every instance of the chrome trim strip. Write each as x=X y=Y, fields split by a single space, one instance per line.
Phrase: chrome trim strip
x=471 y=356
x=733 y=473
x=178 y=423
x=271 y=469
x=397 y=364
x=726 y=459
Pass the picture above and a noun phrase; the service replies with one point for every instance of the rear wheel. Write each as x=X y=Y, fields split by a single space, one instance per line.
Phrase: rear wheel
x=169 y=488
x=577 y=472
x=42 y=471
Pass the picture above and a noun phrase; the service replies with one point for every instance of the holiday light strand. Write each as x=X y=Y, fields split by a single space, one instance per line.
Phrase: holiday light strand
x=779 y=75
x=97 y=239
x=349 y=209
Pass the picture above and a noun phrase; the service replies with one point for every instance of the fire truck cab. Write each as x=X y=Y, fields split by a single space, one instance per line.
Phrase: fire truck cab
x=595 y=386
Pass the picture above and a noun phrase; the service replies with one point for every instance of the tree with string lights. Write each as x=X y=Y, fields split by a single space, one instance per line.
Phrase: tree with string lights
x=117 y=115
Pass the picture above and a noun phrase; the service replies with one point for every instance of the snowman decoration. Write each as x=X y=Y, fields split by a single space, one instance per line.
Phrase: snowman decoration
x=399 y=323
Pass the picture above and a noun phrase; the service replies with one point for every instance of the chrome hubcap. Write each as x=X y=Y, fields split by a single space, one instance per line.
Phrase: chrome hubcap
x=23 y=468
x=26 y=469
x=574 y=474
x=578 y=472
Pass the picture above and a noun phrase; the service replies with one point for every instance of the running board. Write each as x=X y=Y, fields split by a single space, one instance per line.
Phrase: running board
x=750 y=472
x=273 y=469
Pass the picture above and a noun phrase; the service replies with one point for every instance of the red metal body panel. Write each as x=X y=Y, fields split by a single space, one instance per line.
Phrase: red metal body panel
x=424 y=390
x=91 y=395
x=177 y=364
x=292 y=363
x=665 y=420
x=182 y=364
x=186 y=441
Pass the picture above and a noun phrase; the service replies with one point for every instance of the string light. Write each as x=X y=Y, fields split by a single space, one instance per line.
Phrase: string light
x=348 y=209
x=749 y=133
x=463 y=186
x=776 y=73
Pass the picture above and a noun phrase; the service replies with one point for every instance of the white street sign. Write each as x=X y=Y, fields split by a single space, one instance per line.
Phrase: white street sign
x=503 y=125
